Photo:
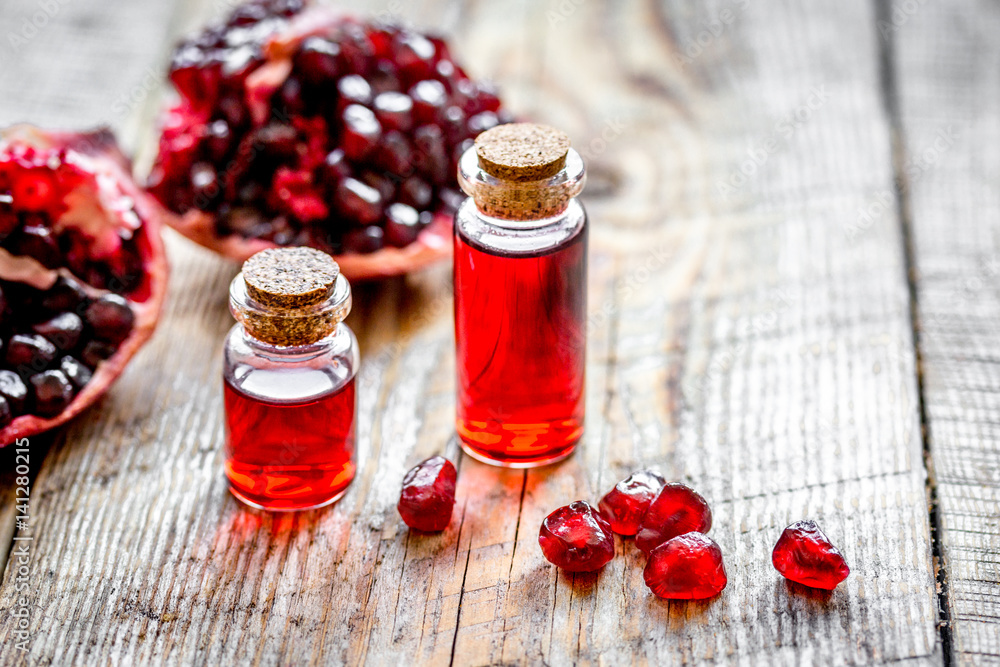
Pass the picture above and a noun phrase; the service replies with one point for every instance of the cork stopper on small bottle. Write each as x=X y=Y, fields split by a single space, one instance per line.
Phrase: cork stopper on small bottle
x=290 y=277
x=521 y=171
x=522 y=151
x=290 y=296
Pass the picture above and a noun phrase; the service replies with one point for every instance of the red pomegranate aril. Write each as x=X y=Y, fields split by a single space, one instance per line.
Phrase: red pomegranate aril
x=402 y=224
x=218 y=140
x=428 y=495
x=29 y=353
x=335 y=168
x=625 y=504
x=576 y=538
x=63 y=330
x=364 y=241
x=13 y=389
x=204 y=185
x=318 y=61
x=805 y=555
x=361 y=132
x=396 y=154
x=429 y=97
x=95 y=352
x=66 y=294
x=686 y=567
x=358 y=201
x=482 y=122
x=110 y=318
x=52 y=392
x=414 y=56
x=353 y=89
x=294 y=194
x=37 y=241
x=676 y=509
x=430 y=154
x=416 y=192
x=394 y=110
x=78 y=374
x=34 y=191
x=6 y=414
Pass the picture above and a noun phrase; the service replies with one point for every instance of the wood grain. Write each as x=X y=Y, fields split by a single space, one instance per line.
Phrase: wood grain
x=949 y=108
x=746 y=336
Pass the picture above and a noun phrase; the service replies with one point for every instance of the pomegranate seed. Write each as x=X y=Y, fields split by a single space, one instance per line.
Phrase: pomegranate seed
x=576 y=538
x=13 y=389
x=365 y=240
x=805 y=555
x=402 y=224
x=361 y=132
x=429 y=97
x=353 y=89
x=6 y=414
x=52 y=393
x=686 y=567
x=110 y=318
x=624 y=505
x=358 y=201
x=34 y=191
x=394 y=110
x=677 y=509
x=28 y=353
x=416 y=192
x=396 y=154
x=63 y=330
x=95 y=352
x=428 y=495
x=318 y=61
x=75 y=372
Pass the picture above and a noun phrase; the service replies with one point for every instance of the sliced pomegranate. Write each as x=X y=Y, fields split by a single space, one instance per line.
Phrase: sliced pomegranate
x=677 y=509
x=577 y=538
x=686 y=567
x=624 y=505
x=805 y=555
x=304 y=126
x=82 y=273
x=428 y=495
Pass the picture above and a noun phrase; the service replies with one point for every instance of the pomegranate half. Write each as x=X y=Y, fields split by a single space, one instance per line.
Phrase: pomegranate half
x=82 y=273
x=304 y=126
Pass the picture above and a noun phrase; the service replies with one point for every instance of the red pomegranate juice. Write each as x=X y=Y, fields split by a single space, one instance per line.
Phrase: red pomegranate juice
x=521 y=343
x=285 y=455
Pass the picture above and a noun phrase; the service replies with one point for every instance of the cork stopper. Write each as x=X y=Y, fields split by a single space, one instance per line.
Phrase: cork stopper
x=290 y=277
x=290 y=296
x=521 y=172
x=522 y=151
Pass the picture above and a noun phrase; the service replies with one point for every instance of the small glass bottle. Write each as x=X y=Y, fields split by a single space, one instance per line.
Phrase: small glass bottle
x=520 y=297
x=289 y=365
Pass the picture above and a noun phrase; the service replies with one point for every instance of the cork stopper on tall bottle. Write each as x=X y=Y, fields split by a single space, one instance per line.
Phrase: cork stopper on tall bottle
x=522 y=171
x=290 y=296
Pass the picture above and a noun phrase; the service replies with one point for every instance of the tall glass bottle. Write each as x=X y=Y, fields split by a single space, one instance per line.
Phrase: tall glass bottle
x=520 y=297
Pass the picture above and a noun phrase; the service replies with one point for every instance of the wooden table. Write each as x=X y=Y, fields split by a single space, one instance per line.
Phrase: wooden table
x=794 y=308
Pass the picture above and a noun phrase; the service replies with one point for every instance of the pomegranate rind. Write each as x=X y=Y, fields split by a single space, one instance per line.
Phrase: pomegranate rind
x=103 y=154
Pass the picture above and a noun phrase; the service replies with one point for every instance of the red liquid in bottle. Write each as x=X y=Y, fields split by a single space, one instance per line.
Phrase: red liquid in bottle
x=290 y=455
x=521 y=343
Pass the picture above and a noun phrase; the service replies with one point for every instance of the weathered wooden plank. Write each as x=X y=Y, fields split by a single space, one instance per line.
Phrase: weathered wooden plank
x=946 y=57
x=740 y=340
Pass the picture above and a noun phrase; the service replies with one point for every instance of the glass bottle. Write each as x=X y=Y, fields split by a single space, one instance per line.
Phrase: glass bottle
x=520 y=297
x=289 y=367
